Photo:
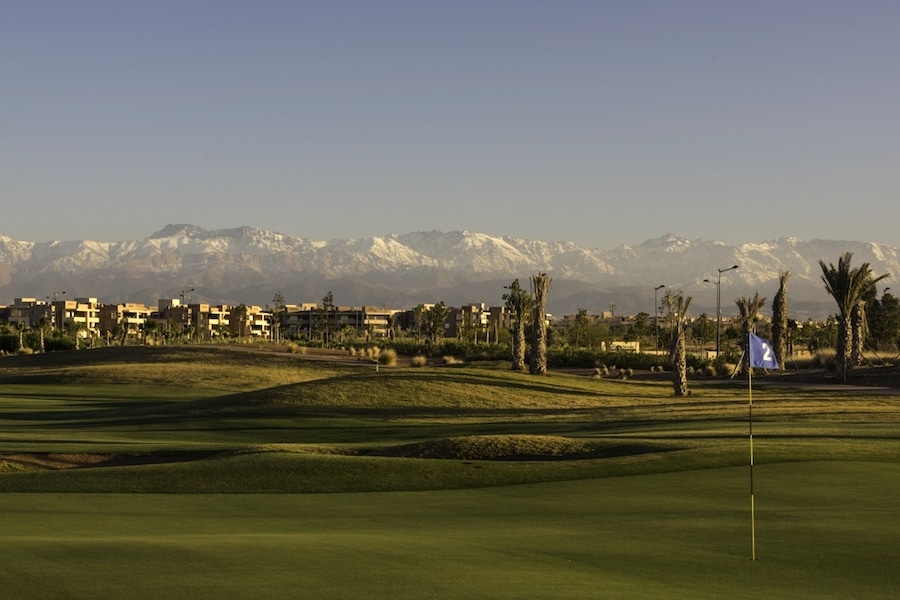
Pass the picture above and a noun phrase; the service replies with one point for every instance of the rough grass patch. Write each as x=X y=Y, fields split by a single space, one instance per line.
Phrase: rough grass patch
x=493 y=447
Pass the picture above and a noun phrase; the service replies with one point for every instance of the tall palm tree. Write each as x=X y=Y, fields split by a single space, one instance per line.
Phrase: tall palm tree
x=20 y=328
x=847 y=286
x=780 y=319
x=675 y=306
x=858 y=328
x=519 y=304
x=435 y=317
x=390 y=324
x=241 y=311
x=540 y=289
x=748 y=314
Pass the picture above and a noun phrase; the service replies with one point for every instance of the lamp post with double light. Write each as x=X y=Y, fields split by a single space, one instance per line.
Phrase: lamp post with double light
x=718 y=284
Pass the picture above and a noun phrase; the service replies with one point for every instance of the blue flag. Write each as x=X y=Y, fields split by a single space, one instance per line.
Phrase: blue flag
x=761 y=354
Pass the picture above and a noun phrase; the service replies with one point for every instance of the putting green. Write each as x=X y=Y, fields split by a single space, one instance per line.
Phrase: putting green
x=824 y=530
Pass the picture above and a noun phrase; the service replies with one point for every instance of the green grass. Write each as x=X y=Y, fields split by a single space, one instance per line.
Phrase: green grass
x=824 y=530
x=247 y=475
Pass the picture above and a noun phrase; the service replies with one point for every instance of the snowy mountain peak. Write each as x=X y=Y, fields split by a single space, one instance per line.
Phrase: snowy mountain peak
x=178 y=230
x=248 y=264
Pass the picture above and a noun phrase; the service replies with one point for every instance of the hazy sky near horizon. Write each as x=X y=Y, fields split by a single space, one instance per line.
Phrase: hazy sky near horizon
x=600 y=122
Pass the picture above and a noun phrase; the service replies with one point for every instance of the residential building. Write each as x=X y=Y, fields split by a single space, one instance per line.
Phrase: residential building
x=126 y=319
x=28 y=312
x=366 y=321
x=81 y=313
x=255 y=322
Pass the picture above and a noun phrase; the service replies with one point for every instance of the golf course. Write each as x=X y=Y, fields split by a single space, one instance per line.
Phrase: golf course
x=219 y=472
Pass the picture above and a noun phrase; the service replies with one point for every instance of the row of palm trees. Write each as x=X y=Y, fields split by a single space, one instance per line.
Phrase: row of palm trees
x=849 y=287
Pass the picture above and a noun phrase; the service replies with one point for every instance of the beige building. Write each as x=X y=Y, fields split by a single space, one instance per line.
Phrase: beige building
x=83 y=313
x=128 y=318
x=367 y=321
x=28 y=312
x=255 y=322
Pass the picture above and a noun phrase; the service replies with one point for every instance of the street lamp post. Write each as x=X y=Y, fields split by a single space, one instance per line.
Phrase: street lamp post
x=718 y=284
x=656 y=313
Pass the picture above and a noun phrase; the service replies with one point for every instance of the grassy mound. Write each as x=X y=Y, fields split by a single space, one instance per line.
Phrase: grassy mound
x=193 y=420
x=495 y=447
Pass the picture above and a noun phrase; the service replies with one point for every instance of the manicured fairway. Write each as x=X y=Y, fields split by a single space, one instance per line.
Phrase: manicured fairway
x=824 y=530
x=232 y=474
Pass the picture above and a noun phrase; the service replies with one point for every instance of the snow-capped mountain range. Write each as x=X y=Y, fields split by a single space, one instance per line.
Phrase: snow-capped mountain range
x=251 y=265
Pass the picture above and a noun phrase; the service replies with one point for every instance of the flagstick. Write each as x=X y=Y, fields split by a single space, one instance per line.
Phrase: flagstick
x=750 y=414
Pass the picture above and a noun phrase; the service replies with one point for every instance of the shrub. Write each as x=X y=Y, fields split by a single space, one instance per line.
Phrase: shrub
x=824 y=359
x=452 y=360
x=387 y=358
x=9 y=342
x=419 y=361
x=54 y=344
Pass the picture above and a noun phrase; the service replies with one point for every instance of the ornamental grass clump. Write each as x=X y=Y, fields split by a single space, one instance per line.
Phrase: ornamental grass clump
x=418 y=361
x=387 y=357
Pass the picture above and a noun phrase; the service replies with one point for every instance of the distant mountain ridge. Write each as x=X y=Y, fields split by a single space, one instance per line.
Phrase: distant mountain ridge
x=248 y=264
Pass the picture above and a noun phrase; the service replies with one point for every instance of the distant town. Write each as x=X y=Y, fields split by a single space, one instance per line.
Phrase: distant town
x=89 y=318
x=86 y=320
x=58 y=322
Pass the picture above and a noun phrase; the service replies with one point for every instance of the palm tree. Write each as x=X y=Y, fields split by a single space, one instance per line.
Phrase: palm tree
x=780 y=319
x=540 y=289
x=435 y=317
x=847 y=286
x=675 y=312
x=390 y=322
x=858 y=328
x=519 y=303
x=241 y=311
x=279 y=308
x=748 y=313
x=20 y=328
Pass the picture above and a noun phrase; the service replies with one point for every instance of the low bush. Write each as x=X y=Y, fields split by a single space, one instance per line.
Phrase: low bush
x=463 y=350
x=9 y=342
x=387 y=357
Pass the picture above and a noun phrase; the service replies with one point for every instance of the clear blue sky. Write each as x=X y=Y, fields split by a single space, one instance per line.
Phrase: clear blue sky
x=600 y=122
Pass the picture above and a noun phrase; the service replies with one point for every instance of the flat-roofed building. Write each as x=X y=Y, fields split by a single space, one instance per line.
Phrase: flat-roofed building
x=250 y=321
x=367 y=322
x=28 y=312
x=81 y=313
x=126 y=319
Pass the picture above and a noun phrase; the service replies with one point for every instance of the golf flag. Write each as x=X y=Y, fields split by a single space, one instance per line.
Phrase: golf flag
x=761 y=354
